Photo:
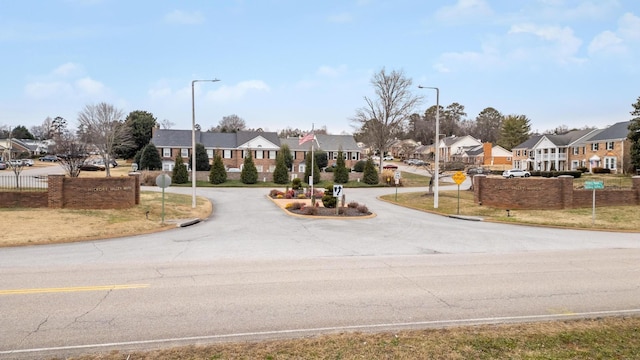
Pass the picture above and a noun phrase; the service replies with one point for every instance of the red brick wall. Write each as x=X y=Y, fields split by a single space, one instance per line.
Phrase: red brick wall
x=79 y=193
x=542 y=193
x=23 y=199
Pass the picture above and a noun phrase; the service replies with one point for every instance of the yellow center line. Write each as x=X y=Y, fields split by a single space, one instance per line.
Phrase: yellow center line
x=72 y=289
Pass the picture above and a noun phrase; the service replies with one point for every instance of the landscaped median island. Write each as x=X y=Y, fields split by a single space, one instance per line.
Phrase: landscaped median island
x=321 y=204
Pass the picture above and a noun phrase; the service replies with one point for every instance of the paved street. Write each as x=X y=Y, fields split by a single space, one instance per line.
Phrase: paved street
x=250 y=271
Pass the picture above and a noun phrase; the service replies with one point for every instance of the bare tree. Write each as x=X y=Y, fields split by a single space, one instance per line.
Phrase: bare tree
x=385 y=115
x=231 y=123
x=167 y=124
x=102 y=126
x=58 y=125
x=72 y=153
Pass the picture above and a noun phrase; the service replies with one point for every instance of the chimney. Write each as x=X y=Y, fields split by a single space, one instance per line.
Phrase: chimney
x=486 y=149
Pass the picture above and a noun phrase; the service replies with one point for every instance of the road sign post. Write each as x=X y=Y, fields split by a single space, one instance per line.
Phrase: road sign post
x=459 y=177
x=593 y=185
x=163 y=181
x=396 y=178
x=337 y=193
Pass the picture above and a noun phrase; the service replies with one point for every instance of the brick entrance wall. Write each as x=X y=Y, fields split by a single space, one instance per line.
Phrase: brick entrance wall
x=79 y=193
x=543 y=193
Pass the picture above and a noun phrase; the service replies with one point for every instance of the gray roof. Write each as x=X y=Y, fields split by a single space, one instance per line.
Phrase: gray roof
x=324 y=142
x=568 y=138
x=528 y=144
x=475 y=150
x=617 y=131
x=182 y=138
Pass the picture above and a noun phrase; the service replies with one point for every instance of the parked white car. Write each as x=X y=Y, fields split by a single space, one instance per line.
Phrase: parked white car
x=515 y=173
x=388 y=158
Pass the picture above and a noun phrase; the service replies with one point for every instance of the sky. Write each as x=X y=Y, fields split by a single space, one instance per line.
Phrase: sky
x=304 y=64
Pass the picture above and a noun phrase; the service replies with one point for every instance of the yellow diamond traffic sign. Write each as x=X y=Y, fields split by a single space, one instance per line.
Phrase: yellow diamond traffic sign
x=459 y=177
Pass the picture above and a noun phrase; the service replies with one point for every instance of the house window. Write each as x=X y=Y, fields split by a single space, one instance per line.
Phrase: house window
x=576 y=151
x=227 y=154
x=594 y=147
x=259 y=168
x=610 y=145
x=610 y=163
x=184 y=152
x=272 y=154
x=302 y=168
x=524 y=153
x=259 y=154
x=517 y=152
x=166 y=152
x=210 y=153
x=272 y=168
x=244 y=154
x=167 y=166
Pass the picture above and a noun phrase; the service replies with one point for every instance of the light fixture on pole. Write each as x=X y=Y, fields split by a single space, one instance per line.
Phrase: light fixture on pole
x=436 y=146
x=193 y=139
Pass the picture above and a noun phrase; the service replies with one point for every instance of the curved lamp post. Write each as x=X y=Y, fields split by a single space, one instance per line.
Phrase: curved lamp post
x=193 y=139
x=436 y=145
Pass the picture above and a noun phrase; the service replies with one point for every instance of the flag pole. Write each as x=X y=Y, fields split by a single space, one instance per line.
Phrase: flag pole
x=313 y=140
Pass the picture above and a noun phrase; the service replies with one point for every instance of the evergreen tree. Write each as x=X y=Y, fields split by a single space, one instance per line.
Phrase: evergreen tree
x=634 y=135
x=218 y=173
x=150 y=158
x=180 y=173
x=515 y=130
x=140 y=125
x=280 y=174
x=288 y=157
x=249 y=173
x=307 y=169
x=370 y=175
x=340 y=173
x=202 y=159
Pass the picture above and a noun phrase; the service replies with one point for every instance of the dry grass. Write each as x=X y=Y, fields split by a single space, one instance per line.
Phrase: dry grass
x=47 y=226
x=611 y=218
x=612 y=338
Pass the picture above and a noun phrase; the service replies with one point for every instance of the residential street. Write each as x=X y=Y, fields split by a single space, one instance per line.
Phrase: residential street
x=251 y=271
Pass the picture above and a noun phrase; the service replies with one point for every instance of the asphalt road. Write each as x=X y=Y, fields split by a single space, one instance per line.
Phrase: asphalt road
x=252 y=272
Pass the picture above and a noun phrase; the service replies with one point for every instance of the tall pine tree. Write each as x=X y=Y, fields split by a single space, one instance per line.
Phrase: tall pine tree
x=180 y=173
x=280 y=174
x=340 y=173
x=249 y=173
x=218 y=173
x=634 y=135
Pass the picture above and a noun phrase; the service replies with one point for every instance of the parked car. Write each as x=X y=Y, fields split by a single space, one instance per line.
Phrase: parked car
x=388 y=158
x=390 y=167
x=27 y=162
x=49 y=158
x=15 y=162
x=3 y=165
x=515 y=173
x=90 y=167
x=478 y=170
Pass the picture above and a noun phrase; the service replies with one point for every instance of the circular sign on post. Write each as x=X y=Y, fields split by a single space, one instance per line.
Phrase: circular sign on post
x=163 y=181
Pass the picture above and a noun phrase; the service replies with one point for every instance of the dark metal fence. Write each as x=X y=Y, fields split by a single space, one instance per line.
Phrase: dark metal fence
x=9 y=182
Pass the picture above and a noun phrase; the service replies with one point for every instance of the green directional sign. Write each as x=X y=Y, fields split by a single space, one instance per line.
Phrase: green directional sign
x=593 y=185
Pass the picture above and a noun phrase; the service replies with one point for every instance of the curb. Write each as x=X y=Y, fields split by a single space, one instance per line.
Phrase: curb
x=188 y=222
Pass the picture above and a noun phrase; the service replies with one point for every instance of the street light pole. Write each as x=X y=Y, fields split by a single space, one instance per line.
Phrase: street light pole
x=436 y=148
x=193 y=139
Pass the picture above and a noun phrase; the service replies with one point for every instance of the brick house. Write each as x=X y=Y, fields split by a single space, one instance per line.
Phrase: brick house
x=608 y=148
x=591 y=148
x=486 y=154
x=264 y=148
x=452 y=148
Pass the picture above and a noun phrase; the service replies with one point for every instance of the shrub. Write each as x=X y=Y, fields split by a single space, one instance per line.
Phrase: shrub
x=359 y=166
x=295 y=205
x=388 y=177
x=310 y=210
x=328 y=200
x=341 y=173
x=249 y=174
x=296 y=184
x=599 y=170
x=582 y=169
x=370 y=175
x=363 y=209
x=275 y=192
x=353 y=205
x=302 y=196
x=218 y=173
x=180 y=174
x=453 y=166
x=329 y=169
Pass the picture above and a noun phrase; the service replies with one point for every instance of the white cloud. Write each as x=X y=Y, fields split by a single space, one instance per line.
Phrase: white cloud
x=584 y=9
x=88 y=86
x=68 y=69
x=44 y=90
x=329 y=71
x=340 y=18
x=237 y=92
x=159 y=90
x=606 y=41
x=629 y=26
x=463 y=10
x=557 y=42
x=185 y=18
